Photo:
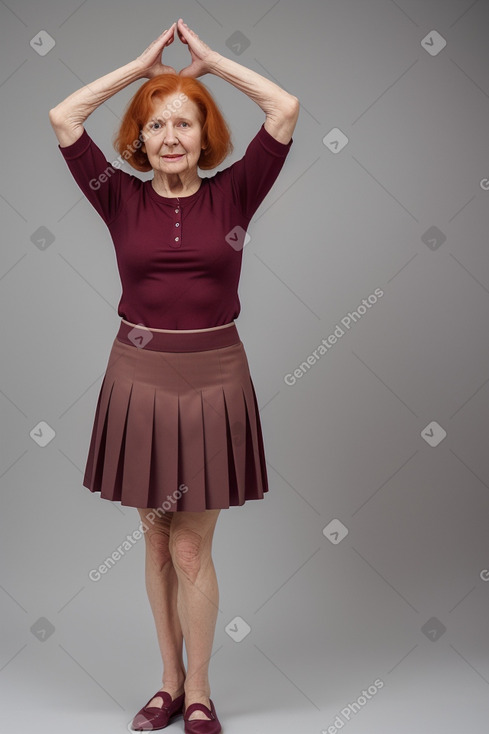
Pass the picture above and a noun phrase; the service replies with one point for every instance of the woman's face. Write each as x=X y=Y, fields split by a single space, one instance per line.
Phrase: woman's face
x=173 y=135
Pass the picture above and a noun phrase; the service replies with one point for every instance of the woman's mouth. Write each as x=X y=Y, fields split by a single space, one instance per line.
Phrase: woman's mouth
x=173 y=157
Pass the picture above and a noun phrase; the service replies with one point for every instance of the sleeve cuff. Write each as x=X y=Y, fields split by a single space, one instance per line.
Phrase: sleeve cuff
x=77 y=148
x=272 y=144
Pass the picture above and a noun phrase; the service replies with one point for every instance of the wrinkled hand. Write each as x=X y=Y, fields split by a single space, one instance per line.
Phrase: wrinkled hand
x=202 y=56
x=150 y=59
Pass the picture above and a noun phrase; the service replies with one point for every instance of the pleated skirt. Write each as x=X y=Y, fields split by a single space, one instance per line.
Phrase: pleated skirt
x=177 y=425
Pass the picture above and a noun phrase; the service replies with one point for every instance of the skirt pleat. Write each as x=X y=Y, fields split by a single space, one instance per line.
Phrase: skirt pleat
x=177 y=430
x=216 y=452
x=96 y=452
x=164 y=476
x=139 y=437
x=257 y=454
x=191 y=455
x=112 y=454
x=236 y=423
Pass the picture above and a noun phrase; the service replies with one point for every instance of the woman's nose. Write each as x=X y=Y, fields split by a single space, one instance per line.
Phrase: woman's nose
x=170 y=135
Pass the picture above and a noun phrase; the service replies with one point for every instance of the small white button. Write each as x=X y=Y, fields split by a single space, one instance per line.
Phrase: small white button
x=176 y=211
x=176 y=239
x=177 y=224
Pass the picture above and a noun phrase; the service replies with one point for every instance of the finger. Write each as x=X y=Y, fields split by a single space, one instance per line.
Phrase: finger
x=170 y=36
x=161 y=37
x=181 y=36
x=182 y=29
x=189 y=30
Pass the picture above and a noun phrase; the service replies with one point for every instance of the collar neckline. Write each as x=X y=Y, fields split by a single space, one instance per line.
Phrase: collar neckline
x=172 y=200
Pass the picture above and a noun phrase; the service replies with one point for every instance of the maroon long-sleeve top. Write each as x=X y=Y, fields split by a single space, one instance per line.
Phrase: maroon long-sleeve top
x=179 y=259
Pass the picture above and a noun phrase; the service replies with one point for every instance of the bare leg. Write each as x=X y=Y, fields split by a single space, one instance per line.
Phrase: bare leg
x=190 y=546
x=162 y=588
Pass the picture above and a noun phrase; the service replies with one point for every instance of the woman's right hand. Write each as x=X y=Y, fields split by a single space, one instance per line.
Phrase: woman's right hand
x=150 y=59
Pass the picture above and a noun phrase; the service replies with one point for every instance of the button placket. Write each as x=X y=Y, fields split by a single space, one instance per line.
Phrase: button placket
x=176 y=237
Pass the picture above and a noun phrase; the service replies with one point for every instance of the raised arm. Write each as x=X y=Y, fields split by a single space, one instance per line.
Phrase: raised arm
x=68 y=116
x=280 y=107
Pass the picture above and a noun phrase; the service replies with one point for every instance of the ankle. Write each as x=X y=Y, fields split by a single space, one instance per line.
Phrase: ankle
x=174 y=683
x=197 y=694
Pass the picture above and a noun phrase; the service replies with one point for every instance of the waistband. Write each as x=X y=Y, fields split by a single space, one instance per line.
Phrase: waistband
x=140 y=337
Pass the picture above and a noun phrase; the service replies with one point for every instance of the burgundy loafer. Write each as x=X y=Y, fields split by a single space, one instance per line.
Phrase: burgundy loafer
x=157 y=717
x=202 y=726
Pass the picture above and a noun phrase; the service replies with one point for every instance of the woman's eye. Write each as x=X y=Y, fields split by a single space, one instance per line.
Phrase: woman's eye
x=185 y=123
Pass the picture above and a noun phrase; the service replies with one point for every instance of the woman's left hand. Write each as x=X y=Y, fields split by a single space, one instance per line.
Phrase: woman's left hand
x=150 y=59
x=202 y=55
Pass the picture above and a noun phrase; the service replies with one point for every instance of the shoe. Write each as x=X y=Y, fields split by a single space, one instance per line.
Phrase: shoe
x=150 y=718
x=201 y=726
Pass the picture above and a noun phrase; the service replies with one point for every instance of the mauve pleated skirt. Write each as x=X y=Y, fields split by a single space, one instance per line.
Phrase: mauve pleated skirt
x=177 y=424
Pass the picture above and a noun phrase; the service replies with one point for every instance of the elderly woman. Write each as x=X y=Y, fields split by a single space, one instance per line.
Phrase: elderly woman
x=177 y=432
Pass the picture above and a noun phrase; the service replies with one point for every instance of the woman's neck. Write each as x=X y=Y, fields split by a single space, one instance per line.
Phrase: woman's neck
x=175 y=186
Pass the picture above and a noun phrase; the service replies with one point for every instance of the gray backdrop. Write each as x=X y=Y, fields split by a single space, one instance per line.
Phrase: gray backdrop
x=354 y=596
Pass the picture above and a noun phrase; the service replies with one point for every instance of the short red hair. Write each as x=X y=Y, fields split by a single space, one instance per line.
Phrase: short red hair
x=216 y=136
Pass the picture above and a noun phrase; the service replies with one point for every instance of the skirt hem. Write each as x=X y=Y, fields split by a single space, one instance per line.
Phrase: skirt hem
x=126 y=504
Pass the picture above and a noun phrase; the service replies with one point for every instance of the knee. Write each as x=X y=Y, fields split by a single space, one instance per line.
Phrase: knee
x=187 y=550
x=157 y=548
x=157 y=541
